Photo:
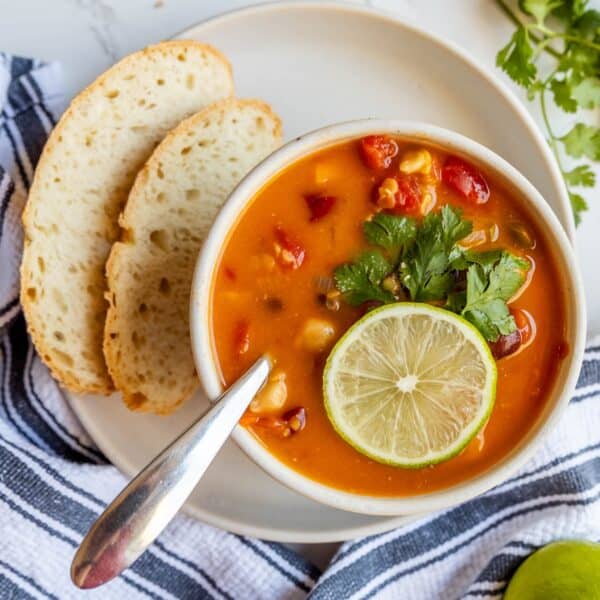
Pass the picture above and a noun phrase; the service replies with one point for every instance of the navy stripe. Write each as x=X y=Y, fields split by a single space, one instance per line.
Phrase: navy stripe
x=57 y=534
x=40 y=95
x=593 y=349
x=304 y=566
x=29 y=580
x=459 y=520
x=28 y=485
x=10 y=306
x=53 y=532
x=19 y=66
x=10 y=189
x=195 y=567
x=13 y=144
x=577 y=399
x=590 y=373
x=297 y=582
x=488 y=593
x=4 y=397
x=138 y=587
x=525 y=511
x=169 y=578
x=32 y=132
x=19 y=341
x=54 y=474
x=78 y=443
x=9 y=589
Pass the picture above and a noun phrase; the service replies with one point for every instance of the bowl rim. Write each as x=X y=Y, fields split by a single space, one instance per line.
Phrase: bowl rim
x=237 y=202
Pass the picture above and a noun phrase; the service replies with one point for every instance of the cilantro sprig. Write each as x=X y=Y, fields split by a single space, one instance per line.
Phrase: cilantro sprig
x=424 y=262
x=569 y=32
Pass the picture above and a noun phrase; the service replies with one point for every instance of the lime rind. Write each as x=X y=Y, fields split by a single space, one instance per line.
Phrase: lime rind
x=463 y=329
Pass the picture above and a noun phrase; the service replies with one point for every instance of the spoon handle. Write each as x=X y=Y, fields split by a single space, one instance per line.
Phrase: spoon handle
x=148 y=503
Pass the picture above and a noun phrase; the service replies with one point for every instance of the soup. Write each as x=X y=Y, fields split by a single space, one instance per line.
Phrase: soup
x=277 y=291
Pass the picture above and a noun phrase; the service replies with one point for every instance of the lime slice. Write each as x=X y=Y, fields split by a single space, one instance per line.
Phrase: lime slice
x=409 y=384
x=567 y=570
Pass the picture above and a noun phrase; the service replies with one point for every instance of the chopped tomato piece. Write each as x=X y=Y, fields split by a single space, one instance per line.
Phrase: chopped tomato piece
x=466 y=180
x=230 y=273
x=506 y=344
x=319 y=205
x=288 y=251
x=399 y=195
x=378 y=151
x=241 y=337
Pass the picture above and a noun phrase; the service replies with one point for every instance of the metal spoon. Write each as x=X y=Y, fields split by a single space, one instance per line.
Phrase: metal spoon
x=148 y=503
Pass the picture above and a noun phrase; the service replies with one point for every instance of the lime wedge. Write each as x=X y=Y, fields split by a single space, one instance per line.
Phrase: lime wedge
x=566 y=570
x=409 y=384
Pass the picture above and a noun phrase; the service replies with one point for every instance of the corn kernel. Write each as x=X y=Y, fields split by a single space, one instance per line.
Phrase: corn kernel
x=416 y=161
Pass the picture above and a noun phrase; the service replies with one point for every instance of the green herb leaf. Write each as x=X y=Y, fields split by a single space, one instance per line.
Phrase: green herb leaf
x=539 y=9
x=425 y=268
x=488 y=291
x=561 y=90
x=582 y=175
x=394 y=233
x=587 y=92
x=515 y=59
x=361 y=280
x=579 y=205
x=583 y=140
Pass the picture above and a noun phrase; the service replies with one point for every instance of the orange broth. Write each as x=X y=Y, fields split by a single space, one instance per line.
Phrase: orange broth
x=246 y=281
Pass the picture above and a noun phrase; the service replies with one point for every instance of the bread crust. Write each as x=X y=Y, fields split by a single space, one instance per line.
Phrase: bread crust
x=65 y=376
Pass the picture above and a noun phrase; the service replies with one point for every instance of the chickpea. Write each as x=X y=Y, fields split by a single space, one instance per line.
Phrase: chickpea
x=386 y=194
x=316 y=335
x=273 y=395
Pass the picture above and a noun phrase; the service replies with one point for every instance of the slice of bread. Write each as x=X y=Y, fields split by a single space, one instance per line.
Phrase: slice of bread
x=170 y=209
x=81 y=185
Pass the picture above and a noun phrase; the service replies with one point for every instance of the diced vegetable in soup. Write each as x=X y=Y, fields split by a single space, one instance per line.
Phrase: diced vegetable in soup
x=366 y=223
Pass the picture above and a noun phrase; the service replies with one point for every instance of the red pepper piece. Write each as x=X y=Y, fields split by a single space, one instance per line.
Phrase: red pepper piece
x=288 y=251
x=319 y=205
x=241 y=338
x=466 y=180
x=378 y=151
x=408 y=197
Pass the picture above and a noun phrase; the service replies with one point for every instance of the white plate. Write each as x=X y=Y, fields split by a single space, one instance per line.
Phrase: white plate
x=317 y=64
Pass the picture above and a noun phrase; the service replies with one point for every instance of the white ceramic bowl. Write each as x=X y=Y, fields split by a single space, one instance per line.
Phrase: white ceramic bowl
x=205 y=356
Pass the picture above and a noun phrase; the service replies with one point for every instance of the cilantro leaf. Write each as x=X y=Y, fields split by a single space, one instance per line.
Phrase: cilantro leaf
x=579 y=205
x=487 y=259
x=583 y=140
x=582 y=175
x=425 y=268
x=561 y=90
x=515 y=59
x=488 y=291
x=539 y=9
x=587 y=92
x=361 y=280
x=570 y=10
x=394 y=233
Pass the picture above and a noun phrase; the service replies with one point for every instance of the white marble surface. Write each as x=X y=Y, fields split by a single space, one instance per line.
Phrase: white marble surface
x=89 y=35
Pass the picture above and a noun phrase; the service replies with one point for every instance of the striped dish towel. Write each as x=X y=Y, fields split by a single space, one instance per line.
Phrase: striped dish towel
x=54 y=482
